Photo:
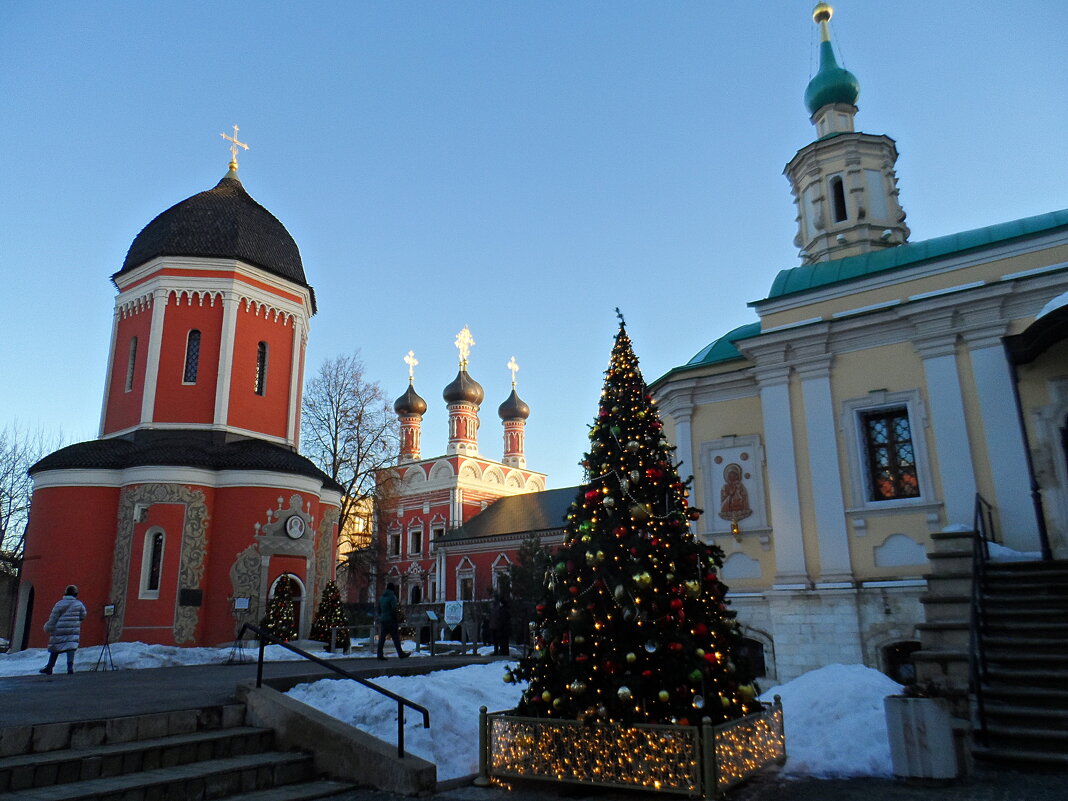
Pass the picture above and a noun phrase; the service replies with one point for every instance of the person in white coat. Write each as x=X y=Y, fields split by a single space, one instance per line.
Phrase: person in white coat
x=64 y=627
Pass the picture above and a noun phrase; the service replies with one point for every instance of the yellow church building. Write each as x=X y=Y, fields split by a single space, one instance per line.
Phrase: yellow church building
x=884 y=385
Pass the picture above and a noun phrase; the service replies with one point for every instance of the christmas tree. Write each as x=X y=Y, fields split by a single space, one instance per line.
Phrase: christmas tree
x=330 y=614
x=633 y=626
x=281 y=619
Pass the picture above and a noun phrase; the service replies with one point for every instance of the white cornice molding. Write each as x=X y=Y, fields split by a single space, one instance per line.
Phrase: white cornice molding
x=162 y=474
x=902 y=275
x=135 y=282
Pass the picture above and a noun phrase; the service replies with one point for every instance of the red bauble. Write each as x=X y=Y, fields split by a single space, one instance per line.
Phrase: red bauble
x=676 y=604
x=711 y=658
x=620 y=531
x=581 y=657
x=654 y=473
x=648 y=674
x=573 y=590
x=684 y=721
x=700 y=630
x=675 y=647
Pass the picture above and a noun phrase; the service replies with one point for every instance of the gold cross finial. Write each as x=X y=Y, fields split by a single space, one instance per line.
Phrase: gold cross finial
x=463 y=343
x=234 y=145
x=513 y=365
x=411 y=361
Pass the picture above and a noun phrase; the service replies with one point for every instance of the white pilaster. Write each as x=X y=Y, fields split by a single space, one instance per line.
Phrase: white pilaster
x=684 y=442
x=231 y=303
x=294 y=381
x=111 y=366
x=782 y=478
x=825 y=470
x=951 y=441
x=1005 y=446
x=155 y=344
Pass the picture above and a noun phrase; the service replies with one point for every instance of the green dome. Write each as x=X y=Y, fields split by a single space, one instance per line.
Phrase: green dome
x=831 y=84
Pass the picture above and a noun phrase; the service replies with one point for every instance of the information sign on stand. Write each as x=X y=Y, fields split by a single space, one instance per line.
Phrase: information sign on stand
x=454 y=613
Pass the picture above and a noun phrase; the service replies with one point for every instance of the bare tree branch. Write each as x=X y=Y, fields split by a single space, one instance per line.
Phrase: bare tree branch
x=350 y=431
x=20 y=449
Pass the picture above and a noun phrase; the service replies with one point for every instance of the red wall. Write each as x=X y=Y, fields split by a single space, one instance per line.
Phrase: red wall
x=124 y=408
x=265 y=413
x=64 y=545
x=177 y=402
x=151 y=620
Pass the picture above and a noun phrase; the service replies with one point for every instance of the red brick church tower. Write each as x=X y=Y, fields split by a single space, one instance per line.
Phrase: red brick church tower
x=180 y=518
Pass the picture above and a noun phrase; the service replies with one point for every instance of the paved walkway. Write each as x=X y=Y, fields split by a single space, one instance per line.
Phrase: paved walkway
x=84 y=696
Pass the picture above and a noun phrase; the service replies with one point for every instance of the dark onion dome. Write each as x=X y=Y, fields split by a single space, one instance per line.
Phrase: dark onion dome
x=182 y=448
x=464 y=389
x=515 y=408
x=224 y=222
x=410 y=403
x=831 y=83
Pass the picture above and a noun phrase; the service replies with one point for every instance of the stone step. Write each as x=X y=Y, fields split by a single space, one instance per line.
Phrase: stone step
x=1026 y=628
x=1040 y=697
x=1027 y=716
x=1016 y=757
x=302 y=791
x=85 y=733
x=1038 y=678
x=951 y=561
x=77 y=764
x=1034 y=614
x=1023 y=585
x=1029 y=658
x=1023 y=604
x=217 y=778
x=1039 y=644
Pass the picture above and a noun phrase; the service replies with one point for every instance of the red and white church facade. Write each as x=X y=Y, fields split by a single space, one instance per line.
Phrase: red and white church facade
x=430 y=544
x=179 y=519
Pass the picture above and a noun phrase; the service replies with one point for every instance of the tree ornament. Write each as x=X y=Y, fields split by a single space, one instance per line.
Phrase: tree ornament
x=698 y=702
x=664 y=696
x=633 y=446
x=624 y=693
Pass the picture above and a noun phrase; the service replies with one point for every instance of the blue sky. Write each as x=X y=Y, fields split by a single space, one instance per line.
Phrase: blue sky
x=522 y=168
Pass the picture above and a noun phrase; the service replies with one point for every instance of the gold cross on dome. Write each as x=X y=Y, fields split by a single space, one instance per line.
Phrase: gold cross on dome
x=513 y=365
x=463 y=343
x=234 y=145
x=411 y=361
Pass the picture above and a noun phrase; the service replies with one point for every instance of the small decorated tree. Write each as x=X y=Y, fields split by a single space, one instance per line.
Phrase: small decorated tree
x=633 y=626
x=281 y=618
x=331 y=614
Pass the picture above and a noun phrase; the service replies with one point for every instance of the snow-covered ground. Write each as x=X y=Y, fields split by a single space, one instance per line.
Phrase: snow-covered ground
x=134 y=655
x=834 y=716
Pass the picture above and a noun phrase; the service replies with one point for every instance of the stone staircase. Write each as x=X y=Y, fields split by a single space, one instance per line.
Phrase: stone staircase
x=187 y=755
x=1025 y=639
x=1026 y=644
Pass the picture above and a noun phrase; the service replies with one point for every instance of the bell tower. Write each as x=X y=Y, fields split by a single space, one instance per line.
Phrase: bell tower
x=843 y=183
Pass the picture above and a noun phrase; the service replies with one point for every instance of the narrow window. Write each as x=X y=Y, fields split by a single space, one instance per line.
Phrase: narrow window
x=838 y=199
x=394 y=544
x=131 y=362
x=261 y=368
x=152 y=563
x=416 y=596
x=467 y=589
x=415 y=541
x=890 y=454
x=192 y=357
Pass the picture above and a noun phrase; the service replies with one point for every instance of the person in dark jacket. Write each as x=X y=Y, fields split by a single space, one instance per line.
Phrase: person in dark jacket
x=388 y=622
x=500 y=621
x=64 y=627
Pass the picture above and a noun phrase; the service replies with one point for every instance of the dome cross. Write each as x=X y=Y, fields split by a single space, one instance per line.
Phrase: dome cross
x=463 y=343
x=411 y=361
x=513 y=365
x=234 y=145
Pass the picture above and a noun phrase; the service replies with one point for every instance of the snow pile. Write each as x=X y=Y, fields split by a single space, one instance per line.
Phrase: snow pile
x=452 y=696
x=999 y=553
x=835 y=724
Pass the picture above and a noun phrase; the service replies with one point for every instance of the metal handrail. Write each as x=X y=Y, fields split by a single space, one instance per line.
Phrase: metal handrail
x=402 y=702
x=983 y=524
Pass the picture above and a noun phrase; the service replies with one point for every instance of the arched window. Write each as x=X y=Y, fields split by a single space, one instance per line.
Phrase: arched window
x=261 y=368
x=838 y=200
x=192 y=357
x=152 y=563
x=130 y=363
x=416 y=596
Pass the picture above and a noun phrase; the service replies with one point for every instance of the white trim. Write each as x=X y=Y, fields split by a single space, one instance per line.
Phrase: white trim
x=144 y=593
x=849 y=421
x=782 y=488
x=245 y=432
x=951 y=440
x=1050 y=268
x=904 y=583
x=786 y=326
x=155 y=344
x=293 y=421
x=185 y=475
x=886 y=304
x=111 y=366
x=231 y=305
x=949 y=290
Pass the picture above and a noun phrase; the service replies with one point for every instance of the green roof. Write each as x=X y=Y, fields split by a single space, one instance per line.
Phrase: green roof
x=838 y=271
x=831 y=84
x=718 y=351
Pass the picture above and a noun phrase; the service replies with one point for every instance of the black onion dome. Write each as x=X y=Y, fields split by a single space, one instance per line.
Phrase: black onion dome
x=224 y=222
x=464 y=388
x=515 y=408
x=410 y=403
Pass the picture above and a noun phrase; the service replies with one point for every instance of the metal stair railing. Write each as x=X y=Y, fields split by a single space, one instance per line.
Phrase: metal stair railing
x=266 y=636
x=983 y=523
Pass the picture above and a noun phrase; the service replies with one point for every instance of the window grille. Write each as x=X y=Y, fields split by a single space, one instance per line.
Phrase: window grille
x=890 y=454
x=261 y=368
x=192 y=357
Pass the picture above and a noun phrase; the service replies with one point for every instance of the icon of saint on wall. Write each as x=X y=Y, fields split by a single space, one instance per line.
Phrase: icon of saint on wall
x=733 y=496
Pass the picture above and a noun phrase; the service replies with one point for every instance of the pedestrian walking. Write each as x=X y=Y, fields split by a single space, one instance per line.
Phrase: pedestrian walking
x=388 y=621
x=500 y=621
x=64 y=627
